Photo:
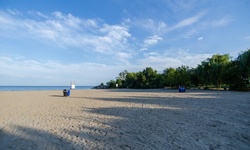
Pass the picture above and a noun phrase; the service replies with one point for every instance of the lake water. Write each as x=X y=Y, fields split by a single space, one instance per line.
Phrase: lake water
x=40 y=88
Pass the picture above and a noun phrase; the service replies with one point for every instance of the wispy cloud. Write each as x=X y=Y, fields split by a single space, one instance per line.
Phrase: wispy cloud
x=149 y=25
x=14 y=11
x=143 y=49
x=152 y=40
x=68 y=31
x=200 y=38
x=161 y=28
x=177 y=6
x=221 y=22
x=188 y=21
x=114 y=37
x=191 y=33
x=172 y=58
x=216 y=23
x=53 y=72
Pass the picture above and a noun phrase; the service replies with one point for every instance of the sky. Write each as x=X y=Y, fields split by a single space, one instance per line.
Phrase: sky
x=90 y=42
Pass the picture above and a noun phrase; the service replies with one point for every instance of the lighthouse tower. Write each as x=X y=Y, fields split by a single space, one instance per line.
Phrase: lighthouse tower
x=73 y=85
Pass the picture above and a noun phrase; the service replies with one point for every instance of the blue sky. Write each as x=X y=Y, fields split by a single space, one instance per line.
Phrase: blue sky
x=90 y=42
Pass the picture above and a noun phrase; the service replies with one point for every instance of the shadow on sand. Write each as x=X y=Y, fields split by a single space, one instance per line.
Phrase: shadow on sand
x=178 y=123
x=57 y=96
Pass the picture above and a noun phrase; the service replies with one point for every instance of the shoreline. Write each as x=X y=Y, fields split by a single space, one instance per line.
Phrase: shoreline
x=40 y=88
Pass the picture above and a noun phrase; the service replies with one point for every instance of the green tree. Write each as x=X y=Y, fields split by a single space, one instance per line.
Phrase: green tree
x=140 y=80
x=244 y=64
x=205 y=75
x=182 y=75
x=194 y=76
x=212 y=70
x=216 y=70
x=111 y=84
x=119 y=83
x=169 y=76
x=121 y=79
x=150 y=77
x=159 y=81
x=131 y=78
x=237 y=72
x=218 y=65
x=123 y=74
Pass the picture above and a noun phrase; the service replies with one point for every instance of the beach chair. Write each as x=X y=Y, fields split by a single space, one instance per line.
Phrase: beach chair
x=182 y=89
x=68 y=93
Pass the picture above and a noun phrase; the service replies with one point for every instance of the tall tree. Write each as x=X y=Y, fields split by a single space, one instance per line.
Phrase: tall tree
x=131 y=78
x=150 y=77
x=218 y=64
x=120 y=83
x=123 y=74
x=169 y=76
x=211 y=71
x=244 y=64
x=237 y=72
x=194 y=76
x=111 y=84
x=182 y=75
x=205 y=75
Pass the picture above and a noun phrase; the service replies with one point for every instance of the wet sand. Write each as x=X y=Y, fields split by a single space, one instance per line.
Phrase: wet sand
x=125 y=119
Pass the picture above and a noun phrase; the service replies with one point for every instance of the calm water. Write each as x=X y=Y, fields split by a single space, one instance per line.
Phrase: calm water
x=40 y=88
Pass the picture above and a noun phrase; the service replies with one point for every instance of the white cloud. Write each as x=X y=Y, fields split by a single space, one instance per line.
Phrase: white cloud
x=14 y=11
x=200 y=38
x=115 y=33
x=5 y=59
x=121 y=58
x=161 y=28
x=41 y=15
x=172 y=58
x=69 y=20
x=152 y=40
x=151 y=54
x=149 y=25
x=188 y=21
x=143 y=49
x=38 y=14
x=158 y=62
x=53 y=73
x=216 y=23
x=178 y=6
x=191 y=33
x=68 y=31
x=221 y=22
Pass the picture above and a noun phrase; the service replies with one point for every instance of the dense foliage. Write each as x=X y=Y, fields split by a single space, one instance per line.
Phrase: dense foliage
x=216 y=71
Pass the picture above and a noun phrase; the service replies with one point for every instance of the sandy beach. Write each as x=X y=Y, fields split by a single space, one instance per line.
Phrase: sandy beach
x=125 y=119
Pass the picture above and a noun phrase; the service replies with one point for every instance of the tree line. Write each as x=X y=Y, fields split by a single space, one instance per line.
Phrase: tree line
x=218 y=71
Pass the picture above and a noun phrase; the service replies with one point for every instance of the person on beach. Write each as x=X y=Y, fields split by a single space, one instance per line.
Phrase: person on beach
x=66 y=92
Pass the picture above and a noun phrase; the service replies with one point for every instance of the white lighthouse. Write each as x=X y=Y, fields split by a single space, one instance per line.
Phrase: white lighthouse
x=73 y=85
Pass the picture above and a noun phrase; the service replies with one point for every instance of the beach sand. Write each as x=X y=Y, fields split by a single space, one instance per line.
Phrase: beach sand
x=125 y=119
